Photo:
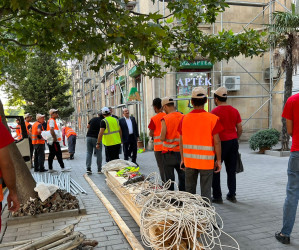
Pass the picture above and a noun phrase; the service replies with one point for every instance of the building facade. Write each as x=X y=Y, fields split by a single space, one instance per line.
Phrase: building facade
x=255 y=85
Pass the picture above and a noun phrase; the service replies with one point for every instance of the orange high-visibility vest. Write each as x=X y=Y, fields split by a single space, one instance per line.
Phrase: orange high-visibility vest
x=19 y=132
x=157 y=132
x=27 y=124
x=198 y=142
x=68 y=132
x=1 y=191
x=34 y=134
x=55 y=127
x=172 y=139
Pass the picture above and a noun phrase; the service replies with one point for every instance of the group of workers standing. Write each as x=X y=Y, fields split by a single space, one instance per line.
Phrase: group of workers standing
x=110 y=131
x=37 y=142
x=197 y=143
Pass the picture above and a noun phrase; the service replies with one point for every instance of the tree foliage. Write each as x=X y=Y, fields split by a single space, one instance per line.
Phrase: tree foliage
x=42 y=83
x=284 y=34
x=110 y=32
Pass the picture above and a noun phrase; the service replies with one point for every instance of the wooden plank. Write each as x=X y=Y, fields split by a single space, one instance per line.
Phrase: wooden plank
x=119 y=221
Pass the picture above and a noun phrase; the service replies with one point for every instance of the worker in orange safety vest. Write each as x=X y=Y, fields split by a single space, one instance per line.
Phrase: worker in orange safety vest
x=170 y=147
x=18 y=130
x=155 y=128
x=55 y=149
x=71 y=136
x=38 y=144
x=199 y=142
x=28 y=119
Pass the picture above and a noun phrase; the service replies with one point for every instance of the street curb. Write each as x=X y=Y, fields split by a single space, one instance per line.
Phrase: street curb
x=48 y=216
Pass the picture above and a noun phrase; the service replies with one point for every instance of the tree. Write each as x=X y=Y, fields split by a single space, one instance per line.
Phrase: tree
x=285 y=35
x=42 y=83
x=109 y=31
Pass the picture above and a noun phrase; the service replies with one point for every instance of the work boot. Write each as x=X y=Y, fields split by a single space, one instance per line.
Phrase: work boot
x=71 y=156
x=66 y=169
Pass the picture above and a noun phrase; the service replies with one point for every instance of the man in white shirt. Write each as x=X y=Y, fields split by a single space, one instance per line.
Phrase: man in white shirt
x=130 y=135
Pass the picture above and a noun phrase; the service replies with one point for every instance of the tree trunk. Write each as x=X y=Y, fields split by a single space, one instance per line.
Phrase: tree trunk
x=288 y=85
x=24 y=180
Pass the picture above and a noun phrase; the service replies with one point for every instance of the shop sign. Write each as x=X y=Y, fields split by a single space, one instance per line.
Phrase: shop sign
x=196 y=65
x=134 y=72
x=194 y=81
x=120 y=79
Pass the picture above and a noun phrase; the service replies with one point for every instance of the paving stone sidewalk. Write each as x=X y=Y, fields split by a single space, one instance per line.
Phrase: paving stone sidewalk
x=252 y=221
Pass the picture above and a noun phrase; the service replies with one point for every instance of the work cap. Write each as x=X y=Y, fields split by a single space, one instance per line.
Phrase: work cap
x=39 y=116
x=221 y=91
x=167 y=100
x=52 y=111
x=27 y=115
x=105 y=111
x=199 y=92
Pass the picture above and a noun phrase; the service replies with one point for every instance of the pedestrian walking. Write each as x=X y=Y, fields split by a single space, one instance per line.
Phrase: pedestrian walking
x=199 y=142
x=93 y=126
x=38 y=144
x=71 y=136
x=291 y=114
x=155 y=132
x=110 y=135
x=170 y=147
x=7 y=171
x=130 y=135
x=28 y=119
x=231 y=121
x=55 y=149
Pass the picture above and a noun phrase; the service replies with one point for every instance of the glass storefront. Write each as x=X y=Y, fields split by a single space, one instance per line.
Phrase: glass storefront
x=185 y=82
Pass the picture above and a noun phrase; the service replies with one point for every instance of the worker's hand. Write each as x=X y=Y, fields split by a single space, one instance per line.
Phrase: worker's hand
x=13 y=202
x=182 y=165
x=98 y=146
x=217 y=167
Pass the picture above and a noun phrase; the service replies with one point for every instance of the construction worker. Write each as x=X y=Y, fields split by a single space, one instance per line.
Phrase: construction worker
x=38 y=144
x=155 y=132
x=199 y=141
x=170 y=148
x=54 y=148
x=7 y=171
x=110 y=135
x=28 y=119
x=71 y=136
x=18 y=130
x=231 y=121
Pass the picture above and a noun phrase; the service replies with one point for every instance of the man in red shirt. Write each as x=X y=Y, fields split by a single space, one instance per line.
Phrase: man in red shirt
x=291 y=114
x=7 y=171
x=231 y=121
x=155 y=127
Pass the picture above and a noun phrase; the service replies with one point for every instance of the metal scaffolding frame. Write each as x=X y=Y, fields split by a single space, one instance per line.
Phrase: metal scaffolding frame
x=82 y=113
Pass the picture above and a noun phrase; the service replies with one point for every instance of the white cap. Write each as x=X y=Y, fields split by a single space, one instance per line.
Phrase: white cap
x=27 y=115
x=39 y=116
x=51 y=111
x=105 y=111
x=221 y=91
x=167 y=100
x=199 y=92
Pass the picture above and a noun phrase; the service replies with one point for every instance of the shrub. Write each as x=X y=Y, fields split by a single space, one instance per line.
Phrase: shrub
x=141 y=136
x=264 y=139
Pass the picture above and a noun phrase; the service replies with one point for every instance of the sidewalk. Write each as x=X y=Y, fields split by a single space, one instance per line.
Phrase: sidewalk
x=252 y=221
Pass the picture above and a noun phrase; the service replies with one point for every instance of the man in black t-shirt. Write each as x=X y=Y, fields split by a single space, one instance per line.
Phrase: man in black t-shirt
x=91 y=141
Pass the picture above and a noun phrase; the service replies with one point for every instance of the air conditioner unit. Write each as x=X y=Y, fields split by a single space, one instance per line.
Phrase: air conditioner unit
x=275 y=73
x=232 y=83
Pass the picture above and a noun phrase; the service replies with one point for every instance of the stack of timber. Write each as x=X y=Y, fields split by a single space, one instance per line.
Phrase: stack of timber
x=156 y=232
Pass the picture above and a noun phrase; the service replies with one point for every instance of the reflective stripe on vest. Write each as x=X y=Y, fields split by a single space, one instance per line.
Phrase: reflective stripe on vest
x=172 y=137
x=69 y=132
x=198 y=143
x=157 y=132
x=111 y=134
